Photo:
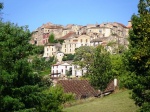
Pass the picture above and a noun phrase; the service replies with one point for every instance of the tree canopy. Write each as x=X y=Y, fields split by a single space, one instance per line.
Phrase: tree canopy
x=138 y=57
x=84 y=56
x=22 y=90
x=100 y=72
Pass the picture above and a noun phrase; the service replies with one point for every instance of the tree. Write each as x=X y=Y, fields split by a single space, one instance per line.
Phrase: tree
x=51 y=38
x=1 y=7
x=138 y=57
x=100 y=69
x=21 y=90
x=84 y=57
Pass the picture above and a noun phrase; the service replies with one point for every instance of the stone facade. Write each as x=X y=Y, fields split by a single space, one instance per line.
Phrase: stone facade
x=75 y=36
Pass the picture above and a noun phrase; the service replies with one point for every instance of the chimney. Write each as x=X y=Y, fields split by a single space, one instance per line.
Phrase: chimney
x=129 y=24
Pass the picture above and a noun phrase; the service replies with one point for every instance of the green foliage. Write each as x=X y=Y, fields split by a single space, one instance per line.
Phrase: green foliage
x=68 y=57
x=41 y=64
x=100 y=69
x=117 y=65
x=138 y=56
x=1 y=6
x=21 y=90
x=57 y=97
x=38 y=50
x=84 y=57
x=69 y=72
x=51 y=38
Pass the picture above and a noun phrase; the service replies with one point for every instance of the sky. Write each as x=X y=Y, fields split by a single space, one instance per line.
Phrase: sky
x=34 y=13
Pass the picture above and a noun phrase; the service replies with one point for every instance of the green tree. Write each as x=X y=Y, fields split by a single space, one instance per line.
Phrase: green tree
x=84 y=57
x=55 y=98
x=100 y=70
x=51 y=38
x=20 y=89
x=138 y=57
x=1 y=7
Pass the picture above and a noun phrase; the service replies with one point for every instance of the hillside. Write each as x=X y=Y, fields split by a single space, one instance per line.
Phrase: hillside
x=117 y=102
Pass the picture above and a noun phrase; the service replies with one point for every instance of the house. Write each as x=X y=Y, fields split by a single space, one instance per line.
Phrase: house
x=60 y=69
x=81 y=88
x=49 y=50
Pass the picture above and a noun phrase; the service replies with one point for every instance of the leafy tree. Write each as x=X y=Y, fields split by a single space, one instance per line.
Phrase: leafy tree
x=117 y=64
x=18 y=86
x=20 y=89
x=84 y=57
x=38 y=49
x=55 y=98
x=40 y=64
x=100 y=70
x=138 y=57
x=51 y=38
x=1 y=7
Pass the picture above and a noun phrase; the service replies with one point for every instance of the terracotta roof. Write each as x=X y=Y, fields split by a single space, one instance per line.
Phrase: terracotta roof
x=81 y=88
x=68 y=35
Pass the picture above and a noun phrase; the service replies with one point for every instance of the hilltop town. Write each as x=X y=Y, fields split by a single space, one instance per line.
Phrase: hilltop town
x=78 y=35
x=75 y=36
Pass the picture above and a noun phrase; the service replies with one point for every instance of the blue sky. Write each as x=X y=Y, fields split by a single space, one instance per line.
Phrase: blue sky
x=34 y=13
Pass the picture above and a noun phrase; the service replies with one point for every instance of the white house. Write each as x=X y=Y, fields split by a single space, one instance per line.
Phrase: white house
x=60 y=69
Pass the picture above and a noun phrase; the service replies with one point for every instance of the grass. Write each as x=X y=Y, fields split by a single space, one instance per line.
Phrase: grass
x=117 y=102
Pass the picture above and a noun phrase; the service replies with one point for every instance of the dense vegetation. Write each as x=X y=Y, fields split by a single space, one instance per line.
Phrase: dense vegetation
x=137 y=59
x=21 y=89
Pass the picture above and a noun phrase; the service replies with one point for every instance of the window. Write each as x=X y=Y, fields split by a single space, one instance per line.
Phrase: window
x=65 y=46
x=65 y=50
x=75 y=45
x=81 y=40
x=47 y=49
x=86 y=40
x=70 y=45
x=70 y=50
x=62 y=70
x=52 y=49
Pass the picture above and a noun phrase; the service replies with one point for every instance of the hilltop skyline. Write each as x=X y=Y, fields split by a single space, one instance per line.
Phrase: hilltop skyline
x=35 y=13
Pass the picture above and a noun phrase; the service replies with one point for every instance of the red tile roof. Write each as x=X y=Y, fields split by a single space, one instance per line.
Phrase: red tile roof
x=81 y=88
